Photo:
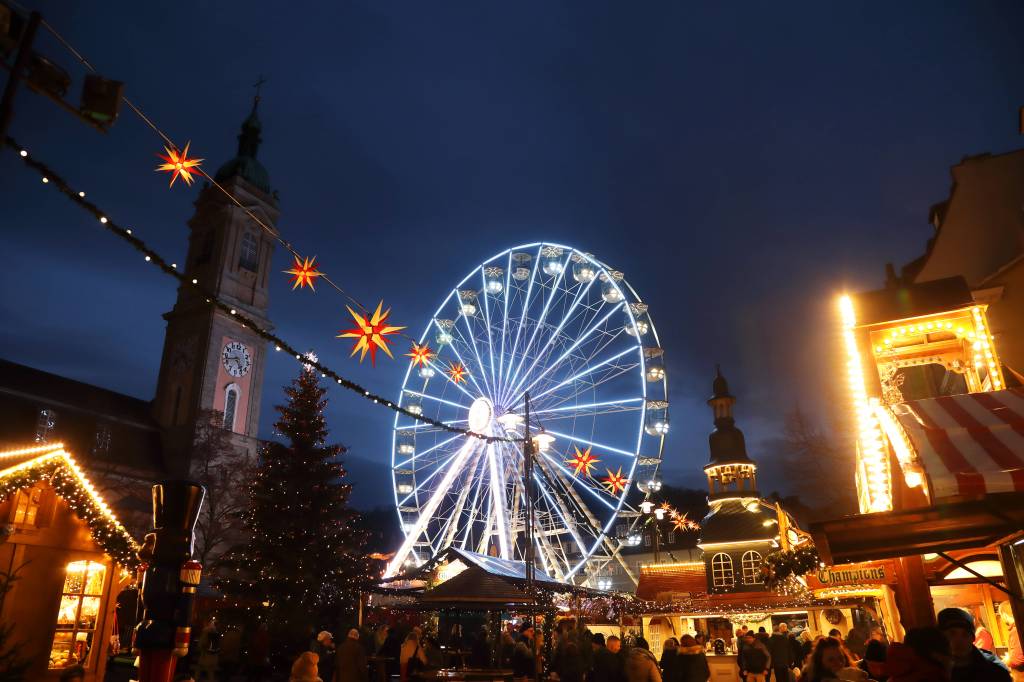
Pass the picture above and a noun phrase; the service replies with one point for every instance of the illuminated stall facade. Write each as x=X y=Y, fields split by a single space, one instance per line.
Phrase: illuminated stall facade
x=71 y=558
x=940 y=450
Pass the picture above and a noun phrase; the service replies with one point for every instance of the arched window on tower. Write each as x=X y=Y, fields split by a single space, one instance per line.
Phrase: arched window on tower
x=230 y=406
x=721 y=571
x=751 y=565
x=248 y=258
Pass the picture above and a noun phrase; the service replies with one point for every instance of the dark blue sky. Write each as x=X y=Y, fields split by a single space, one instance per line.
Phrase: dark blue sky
x=741 y=164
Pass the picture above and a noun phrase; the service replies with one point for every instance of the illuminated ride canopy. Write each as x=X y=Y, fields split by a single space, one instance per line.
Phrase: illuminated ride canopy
x=561 y=325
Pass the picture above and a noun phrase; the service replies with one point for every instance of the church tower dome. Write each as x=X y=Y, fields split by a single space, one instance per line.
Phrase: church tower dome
x=730 y=472
x=244 y=164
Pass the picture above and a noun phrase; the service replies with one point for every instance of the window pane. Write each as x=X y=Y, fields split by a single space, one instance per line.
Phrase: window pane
x=248 y=259
x=90 y=613
x=68 y=612
x=74 y=579
x=94 y=584
x=230 y=405
x=60 y=652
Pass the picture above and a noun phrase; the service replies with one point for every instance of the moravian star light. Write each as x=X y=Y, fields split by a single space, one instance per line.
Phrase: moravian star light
x=179 y=165
x=457 y=373
x=615 y=482
x=304 y=273
x=582 y=462
x=421 y=355
x=371 y=333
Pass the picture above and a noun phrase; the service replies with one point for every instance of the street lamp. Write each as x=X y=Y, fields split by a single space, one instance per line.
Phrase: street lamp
x=543 y=440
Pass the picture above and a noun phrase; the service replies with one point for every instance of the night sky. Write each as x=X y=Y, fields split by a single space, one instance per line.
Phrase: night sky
x=741 y=165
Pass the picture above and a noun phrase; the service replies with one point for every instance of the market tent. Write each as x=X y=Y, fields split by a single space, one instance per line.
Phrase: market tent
x=969 y=444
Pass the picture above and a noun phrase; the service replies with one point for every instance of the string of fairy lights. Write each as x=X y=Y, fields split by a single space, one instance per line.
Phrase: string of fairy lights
x=52 y=178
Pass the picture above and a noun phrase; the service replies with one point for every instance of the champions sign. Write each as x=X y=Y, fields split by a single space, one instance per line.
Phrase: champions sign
x=848 y=575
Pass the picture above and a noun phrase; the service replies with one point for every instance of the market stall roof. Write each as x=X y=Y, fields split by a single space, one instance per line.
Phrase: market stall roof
x=671 y=579
x=968 y=444
x=956 y=523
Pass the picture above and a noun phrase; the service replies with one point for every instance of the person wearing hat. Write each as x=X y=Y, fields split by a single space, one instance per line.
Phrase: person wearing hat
x=351 y=665
x=873 y=662
x=324 y=648
x=524 y=658
x=970 y=664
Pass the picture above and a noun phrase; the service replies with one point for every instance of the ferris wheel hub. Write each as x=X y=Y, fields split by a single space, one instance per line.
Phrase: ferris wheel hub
x=481 y=412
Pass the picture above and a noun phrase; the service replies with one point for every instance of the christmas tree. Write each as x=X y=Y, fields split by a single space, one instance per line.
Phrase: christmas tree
x=302 y=564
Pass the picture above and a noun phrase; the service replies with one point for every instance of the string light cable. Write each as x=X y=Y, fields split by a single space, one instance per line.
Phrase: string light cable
x=273 y=232
x=49 y=176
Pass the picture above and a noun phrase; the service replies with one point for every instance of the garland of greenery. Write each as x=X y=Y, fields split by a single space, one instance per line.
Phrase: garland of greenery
x=108 y=533
x=781 y=565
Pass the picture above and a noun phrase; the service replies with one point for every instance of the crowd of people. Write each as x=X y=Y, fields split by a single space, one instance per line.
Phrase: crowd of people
x=953 y=651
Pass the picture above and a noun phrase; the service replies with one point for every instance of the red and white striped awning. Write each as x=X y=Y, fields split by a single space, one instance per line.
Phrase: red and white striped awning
x=968 y=444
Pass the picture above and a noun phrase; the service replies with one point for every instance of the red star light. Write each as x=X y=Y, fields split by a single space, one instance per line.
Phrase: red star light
x=304 y=273
x=683 y=523
x=616 y=482
x=179 y=165
x=582 y=461
x=421 y=355
x=371 y=333
x=457 y=373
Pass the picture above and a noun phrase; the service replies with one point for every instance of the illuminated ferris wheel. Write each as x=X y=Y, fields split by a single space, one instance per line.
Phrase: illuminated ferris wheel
x=557 y=323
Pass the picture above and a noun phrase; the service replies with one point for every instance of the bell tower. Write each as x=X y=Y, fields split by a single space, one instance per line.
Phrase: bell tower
x=730 y=472
x=210 y=360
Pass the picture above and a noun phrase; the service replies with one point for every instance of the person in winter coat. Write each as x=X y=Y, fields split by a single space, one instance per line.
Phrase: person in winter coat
x=412 y=657
x=350 y=664
x=323 y=647
x=304 y=669
x=691 y=663
x=781 y=652
x=668 y=659
x=830 y=663
x=524 y=657
x=507 y=650
x=570 y=665
x=873 y=662
x=754 y=660
x=641 y=665
x=1014 y=655
x=970 y=664
x=922 y=657
x=607 y=663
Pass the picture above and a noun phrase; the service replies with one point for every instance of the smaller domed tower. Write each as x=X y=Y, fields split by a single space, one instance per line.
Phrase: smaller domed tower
x=730 y=472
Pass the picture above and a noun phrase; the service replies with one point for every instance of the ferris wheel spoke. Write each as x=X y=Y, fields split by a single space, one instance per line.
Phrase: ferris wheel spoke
x=600 y=446
x=423 y=427
x=578 y=375
x=586 y=335
x=551 y=400
x=497 y=483
x=403 y=463
x=455 y=465
x=539 y=324
x=458 y=386
x=580 y=295
x=419 y=486
x=561 y=467
x=471 y=520
x=506 y=294
x=452 y=526
x=526 y=308
x=470 y=341
x=490 y=340
x=462 y=362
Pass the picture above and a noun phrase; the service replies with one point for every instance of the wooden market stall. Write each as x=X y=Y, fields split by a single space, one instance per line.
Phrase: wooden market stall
x=71 y=557
x=940 y=453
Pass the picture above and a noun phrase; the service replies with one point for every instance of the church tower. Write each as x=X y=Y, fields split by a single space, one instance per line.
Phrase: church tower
x=730 y=472
x=210 y=360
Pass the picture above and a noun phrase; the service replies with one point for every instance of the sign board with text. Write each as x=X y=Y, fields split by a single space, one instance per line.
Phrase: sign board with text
x=852 y=575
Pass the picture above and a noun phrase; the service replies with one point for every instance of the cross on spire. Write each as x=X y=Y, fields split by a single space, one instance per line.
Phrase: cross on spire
x=259 y=86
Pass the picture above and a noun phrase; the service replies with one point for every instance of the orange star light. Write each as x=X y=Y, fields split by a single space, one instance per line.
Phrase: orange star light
x=304 y=273
x=683 y=523
x=582 y=461
x=457 y=373
x=179 y=165
x=371 y=333
x=616 y=482
x=421 y=355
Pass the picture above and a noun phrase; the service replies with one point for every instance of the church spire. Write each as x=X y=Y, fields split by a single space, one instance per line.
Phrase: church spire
x=244 y=164
x=730 y=470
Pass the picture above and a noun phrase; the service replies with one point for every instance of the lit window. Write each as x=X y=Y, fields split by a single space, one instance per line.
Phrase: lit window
x=79 y=614
x=230 y=406
x=751 y=565
x=671 y=537
x=26 y=506
x=249 y=258
x=46 y=422
x=721 y=571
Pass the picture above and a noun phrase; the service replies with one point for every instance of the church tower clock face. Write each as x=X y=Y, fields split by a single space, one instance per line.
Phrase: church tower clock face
x=236 y=359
